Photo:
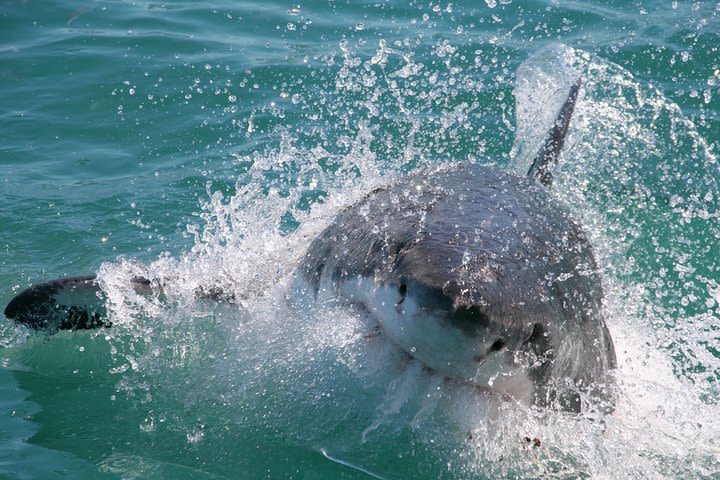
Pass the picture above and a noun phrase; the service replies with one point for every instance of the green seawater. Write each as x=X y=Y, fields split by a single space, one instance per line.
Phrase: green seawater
x=207 y=142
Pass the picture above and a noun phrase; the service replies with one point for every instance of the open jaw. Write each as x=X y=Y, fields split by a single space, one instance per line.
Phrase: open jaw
x=458 y=341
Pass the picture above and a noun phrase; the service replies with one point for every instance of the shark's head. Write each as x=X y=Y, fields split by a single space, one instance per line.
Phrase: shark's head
x=509 y=300
x=478 y=274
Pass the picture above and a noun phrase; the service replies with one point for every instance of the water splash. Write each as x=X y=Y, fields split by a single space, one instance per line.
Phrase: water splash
x=202 y=376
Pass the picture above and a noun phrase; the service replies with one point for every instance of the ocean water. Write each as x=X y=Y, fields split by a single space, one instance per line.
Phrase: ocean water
x=206 y=143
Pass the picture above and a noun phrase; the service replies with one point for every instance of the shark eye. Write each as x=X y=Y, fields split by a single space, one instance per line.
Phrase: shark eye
x=497 y=345
x=402 y=290
x=537 y=334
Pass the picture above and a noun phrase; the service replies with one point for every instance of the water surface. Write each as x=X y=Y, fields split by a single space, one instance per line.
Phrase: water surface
x=207 y=143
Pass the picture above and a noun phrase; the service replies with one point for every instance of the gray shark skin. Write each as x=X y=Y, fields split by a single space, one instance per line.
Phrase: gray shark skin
x=480 y=275
x=71 y=303
x=477 y=273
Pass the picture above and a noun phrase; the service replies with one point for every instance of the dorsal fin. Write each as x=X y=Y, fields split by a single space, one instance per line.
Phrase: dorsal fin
x=540 y=168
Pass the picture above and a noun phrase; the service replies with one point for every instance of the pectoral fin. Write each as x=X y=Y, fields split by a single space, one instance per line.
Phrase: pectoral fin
x=62 y=304
x=72 y=303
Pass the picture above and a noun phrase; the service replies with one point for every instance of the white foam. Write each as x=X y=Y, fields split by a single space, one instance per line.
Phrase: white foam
x=322 y=377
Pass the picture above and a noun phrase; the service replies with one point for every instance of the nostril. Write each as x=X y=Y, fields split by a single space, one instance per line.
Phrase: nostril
x=497 y=345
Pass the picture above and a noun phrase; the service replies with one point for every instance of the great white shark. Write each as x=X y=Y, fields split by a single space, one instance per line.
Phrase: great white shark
x=478 y=273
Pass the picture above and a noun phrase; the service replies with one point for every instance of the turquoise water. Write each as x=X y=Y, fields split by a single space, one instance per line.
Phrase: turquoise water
x=207 y=143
